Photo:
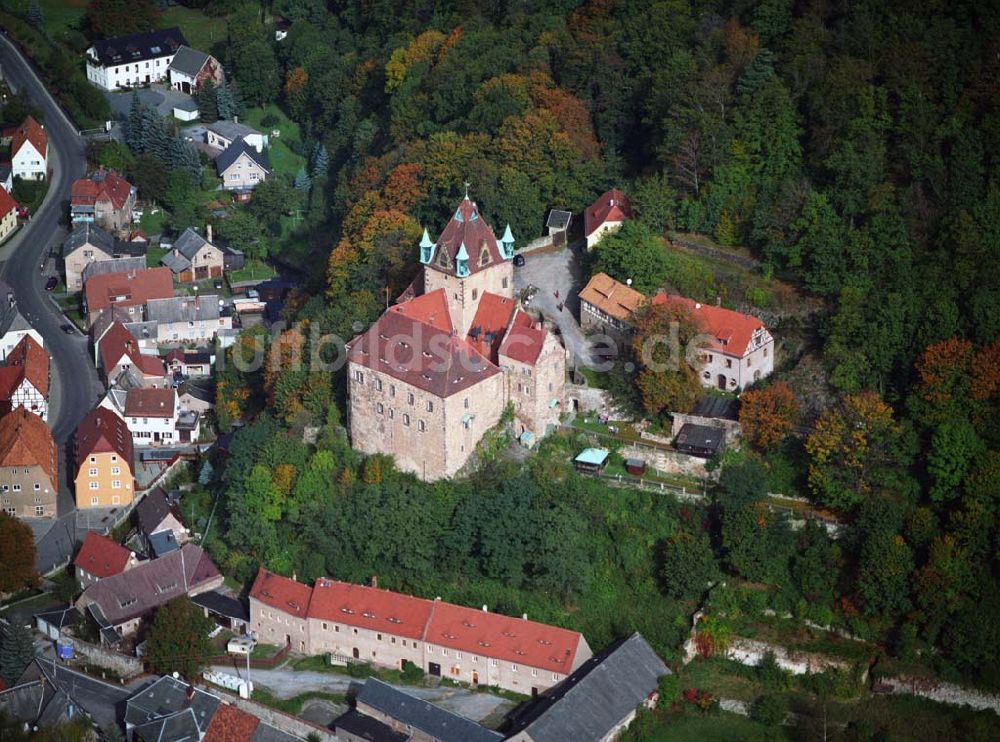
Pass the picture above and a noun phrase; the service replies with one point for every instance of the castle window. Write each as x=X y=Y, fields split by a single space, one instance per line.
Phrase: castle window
x=421 y=426
x=378 y=384
x=484 y=256
x=505 y=283
x=392 y=390
x=475 y=294
x=359 y=377
x=406 y=420
x=409 y=397
x=466 y=403
x=430 y=406
x=379 y=408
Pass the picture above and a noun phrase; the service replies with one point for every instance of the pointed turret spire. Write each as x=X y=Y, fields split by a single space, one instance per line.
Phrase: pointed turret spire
x=462 y=261
x=507 y=243
x=426 y=248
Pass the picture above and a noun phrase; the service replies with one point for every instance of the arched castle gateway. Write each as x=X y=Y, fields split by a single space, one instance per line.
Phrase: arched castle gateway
x=436 y=371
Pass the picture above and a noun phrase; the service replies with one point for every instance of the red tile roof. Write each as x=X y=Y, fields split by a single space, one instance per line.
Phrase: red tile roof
x=102 y=431
x=128 y=289
x=25 y=440
x=610 y=206
x=495 y=635
x=370 y=608
x=141 y=402
x=486 y=333
x=107 y=186
x=423 y=355
x=731 y=331
x=27 y=361
x=101 y=557
x=525 y=339
x=230 y=724
x=118 y=342
x=612 y=297
x=467 y=227
x=431 y=309
x=7 y=203
x=282 y=593
x=30 y=131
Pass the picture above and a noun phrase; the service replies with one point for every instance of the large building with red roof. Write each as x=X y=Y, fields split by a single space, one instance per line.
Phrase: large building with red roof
x=356 y=622
x=605 y=215
x=438 y=369
x=129 y=290
x=104 y=198
x=104 y=454
x=29 y=466
x=737 y=349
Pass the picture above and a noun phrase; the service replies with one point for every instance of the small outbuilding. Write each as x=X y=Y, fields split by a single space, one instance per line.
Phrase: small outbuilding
x=635 y=467
x=591 y=460
x=699 y=440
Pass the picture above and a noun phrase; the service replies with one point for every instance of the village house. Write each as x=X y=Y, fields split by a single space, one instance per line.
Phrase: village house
x=29 y=466
x=190 y=69
x=194 y=258
x=137 y=59
x=738 y=350
x=105 y=199
x=195 y=397
x=24 y=379
x=119 y=352
x=437 y=370
x=387 y=629
x=241 y=168
x=89 y=245
x=605 y=215
x=14 y=327
x=119 y=604
x=159 y=522
x=184 y=363
x=223 y=134
x=6 y=178
x=100 y=557
x=104 y=457
x=129 y=290
x=153 y=416
x=187 y=319
x=29 y=151
x=607 y=307
x=8 y=214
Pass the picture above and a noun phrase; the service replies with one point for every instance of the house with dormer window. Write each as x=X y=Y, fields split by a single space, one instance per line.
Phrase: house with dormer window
x=134 y=60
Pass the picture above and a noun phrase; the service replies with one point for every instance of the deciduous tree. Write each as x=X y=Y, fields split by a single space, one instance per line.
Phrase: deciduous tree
x=17 y=544
x=178 y=639
x=768 y=415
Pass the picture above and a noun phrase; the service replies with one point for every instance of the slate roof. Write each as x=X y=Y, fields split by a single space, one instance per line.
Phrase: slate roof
x=367 y=728
x=183 y=309
x=699 y=439
x=25 y=440
x=222 y=604
x=100 y=556
x=231 y=130
x=152 y=509
x=163 y=542
x=595 y=698
x=612 y=297
x=232 y=153
x=35 y=703
x=610 y=206
x=11 y=320
x=467 y=229
x=129 y=264
x=150 y=584
x=720 y=408
x=188 y=61
x=139 y=47
x=164 y=708
x=189 y=243
x=432 y=720
x=60 y=618
x=412 y=342
x=89 y=233
x=558 y=219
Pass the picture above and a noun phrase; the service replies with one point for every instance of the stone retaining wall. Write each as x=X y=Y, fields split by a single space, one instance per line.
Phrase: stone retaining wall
x=942 y=692
x=125 y=666
x=278 y=719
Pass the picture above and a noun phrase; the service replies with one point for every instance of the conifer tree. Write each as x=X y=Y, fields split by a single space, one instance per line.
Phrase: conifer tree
x=208 y=104
x=16 y=651
x=302 y=180
x=134 y=126
x=320 y=161
x=34 y=13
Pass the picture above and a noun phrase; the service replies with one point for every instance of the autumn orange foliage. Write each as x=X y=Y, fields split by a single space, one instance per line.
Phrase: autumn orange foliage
x=768 y=415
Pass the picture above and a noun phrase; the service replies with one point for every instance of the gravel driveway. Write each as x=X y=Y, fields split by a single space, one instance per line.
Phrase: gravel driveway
x=287 y=683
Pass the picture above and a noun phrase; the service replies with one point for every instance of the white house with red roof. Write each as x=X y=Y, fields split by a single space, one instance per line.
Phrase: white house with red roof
x=605 y=215
x=437 y=370
x=381 y=627
x=119 y=351
x=100 y=557
x=738 y=350
x=29 y=151
x=24 y=379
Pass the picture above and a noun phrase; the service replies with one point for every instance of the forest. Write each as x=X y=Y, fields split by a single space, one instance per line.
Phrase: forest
x=850 y=147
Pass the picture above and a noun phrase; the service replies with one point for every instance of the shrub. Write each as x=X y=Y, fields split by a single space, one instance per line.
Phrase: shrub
x=771 y=675
x=412 y=673
x=269 y=120
x=768 y=710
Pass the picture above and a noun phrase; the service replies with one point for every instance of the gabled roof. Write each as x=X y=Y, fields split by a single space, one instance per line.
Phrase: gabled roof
x=129 y=264
x=131 y=288
x=467 y=229
x=11 y=319
x=370 y=608
x=183 y=309
x=610 y=206
x=150 y=584
x=189 y=61
x=699 y=438
x=598 y=696
x=189 y=243
x=731 y=332
x=493 y=315
x=232 y=153
x=102 y=431
x=138 y=47
x=89 y=233
x=25 y=440
x=7 y=203
x=612 y=297
x=525 y=339
x=433 y=721
x=223 y=604
x=558 y=219
x=101 y=557
x=169 y=697
x=146 y=402
x=719 y=408
x=153 y=509
x=405 y=345
x=230 y=724
x=30 y=132
x=367 y=728
x=35 y=704
x=117 y=342
x=283 y=593
x=27 y=361
x=231 y=130
x=101 y=186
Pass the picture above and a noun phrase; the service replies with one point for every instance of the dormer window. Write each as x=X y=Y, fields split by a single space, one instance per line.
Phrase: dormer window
x=484 y=256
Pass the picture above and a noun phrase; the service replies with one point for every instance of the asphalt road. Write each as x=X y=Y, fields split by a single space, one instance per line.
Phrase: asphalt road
x=75 y=386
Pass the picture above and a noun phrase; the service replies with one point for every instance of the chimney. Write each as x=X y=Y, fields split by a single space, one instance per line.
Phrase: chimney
x=208 y=232
x=375 y=581
x=236 y=119
x=524 y=616
x=718 y=300
x=485 y=609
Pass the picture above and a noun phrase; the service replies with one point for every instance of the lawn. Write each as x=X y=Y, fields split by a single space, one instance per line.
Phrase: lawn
x=30 y=193
x=254 y=270
x=60 y=16
x=283 y=159
x=264 y=651
x=294 y=705
x=717 y=726
x=152 y=224
x=201 y=31
x=153 y=255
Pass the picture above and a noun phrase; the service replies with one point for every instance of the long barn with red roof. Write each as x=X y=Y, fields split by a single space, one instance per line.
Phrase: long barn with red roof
x=381 y=627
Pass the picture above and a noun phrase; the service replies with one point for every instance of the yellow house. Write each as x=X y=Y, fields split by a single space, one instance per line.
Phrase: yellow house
x=8 y=214
x=103 y=461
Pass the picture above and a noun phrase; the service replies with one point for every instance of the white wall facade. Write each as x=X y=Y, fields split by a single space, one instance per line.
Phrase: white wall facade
x=28 y=163
x=739 y=372
x=126 y=74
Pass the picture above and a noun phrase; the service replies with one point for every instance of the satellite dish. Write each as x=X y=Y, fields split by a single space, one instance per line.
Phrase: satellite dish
x=628 y=282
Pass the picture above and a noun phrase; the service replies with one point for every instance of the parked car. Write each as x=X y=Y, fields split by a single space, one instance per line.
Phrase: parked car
x=68 y=329
x=518 y=260
x=51 y=284
x=22 y=212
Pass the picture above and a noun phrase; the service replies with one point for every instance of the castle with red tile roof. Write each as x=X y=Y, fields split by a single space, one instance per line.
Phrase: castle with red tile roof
x=357 y=622
x=438 y=369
